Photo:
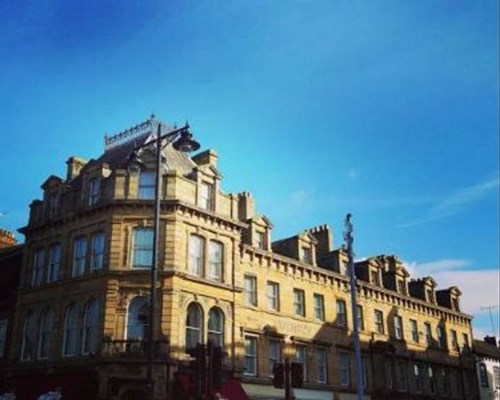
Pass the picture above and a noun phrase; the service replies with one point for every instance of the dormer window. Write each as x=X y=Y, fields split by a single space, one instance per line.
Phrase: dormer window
x=260 y=242
x=307 y=255
x=147 y=185
x=401 y=287
x=206 y=197
x=94 y=191
x=455 y=304
x=430 y=296
x=374 y=278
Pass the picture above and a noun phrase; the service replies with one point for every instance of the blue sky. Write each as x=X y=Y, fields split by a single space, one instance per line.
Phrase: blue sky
x=387 y=110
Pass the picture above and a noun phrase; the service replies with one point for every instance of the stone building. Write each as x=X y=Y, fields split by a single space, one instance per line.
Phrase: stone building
x=487 y=355
x=82 y=309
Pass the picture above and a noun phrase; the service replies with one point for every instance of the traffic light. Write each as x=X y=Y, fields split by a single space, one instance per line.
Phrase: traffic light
x=297 y=374
x=278 y=375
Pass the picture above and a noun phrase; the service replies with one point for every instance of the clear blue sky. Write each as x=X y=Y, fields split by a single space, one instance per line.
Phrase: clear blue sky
x=387 y=110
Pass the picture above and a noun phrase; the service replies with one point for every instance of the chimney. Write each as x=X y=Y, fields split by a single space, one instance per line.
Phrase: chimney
x=75 y=165
x=246 y=207
x=7 y=239
x=207 y=157
x=491 y=340
x=324 y=236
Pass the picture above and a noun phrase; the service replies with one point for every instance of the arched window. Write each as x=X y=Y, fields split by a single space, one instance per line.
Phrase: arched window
x=137 y=319
x=28 y=342
x=216 y=326
x=194 y=326
x=45 y=337
x=71 y=332
x=90 y=327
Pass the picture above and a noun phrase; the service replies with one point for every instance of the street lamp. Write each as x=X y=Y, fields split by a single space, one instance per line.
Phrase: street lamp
x=348 y=229
x=181 y=140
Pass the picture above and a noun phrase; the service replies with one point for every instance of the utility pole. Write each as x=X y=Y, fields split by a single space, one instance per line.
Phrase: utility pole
x=348 y=229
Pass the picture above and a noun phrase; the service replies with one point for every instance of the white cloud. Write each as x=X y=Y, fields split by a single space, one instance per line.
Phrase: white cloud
x=432 y=267
x=456 y=202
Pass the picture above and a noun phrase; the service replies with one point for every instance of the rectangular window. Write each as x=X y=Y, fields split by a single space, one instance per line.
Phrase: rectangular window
x=196 y=255
x=250 y=355
x=299 y=302
x=319 y=307
x=97 y=252
x=483 y=375
x=273 y=296
x=79 y=256
x=465 y=340
x=379 y=322
x=3 y=336
x=322 y=364
x=428 y=334
x=361 y=319
x=147 y=185
x=206 y=196
x=94 y=191
x=454 y=339
x=143 y=248
x=389 y=374
x=274 y=354
x=441 y=336
x=418 y=379
x=341 y=319
x=496 y=376
x=414 y=330
x=401 y=287
x=456 y=306
x=432 y=380
x=301 y=357
x=307 y=255
x=260 y=241
x=402 y=374
x=446 y=381
x=398 y=327
x=430 y=296
x=345 y=370
x=54 y=263
x=250 y=290
x=215 y=257
x=374 y=278
x=38 y=266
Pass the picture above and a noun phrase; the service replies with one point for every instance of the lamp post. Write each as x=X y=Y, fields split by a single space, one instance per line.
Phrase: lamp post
x=181 y=140
x=354 y=306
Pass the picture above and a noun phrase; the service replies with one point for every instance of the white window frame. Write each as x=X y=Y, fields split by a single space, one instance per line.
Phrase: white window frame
x=301 y=357
x=274 y=354
x=319 y=306
x=379 y=322
x=215 y=260
x=260 y=240
x=398 y=327
x=414 y=330
x=197 y=329
x=428 y=334
x=250 y=288
x=206 y=196
x=143 y=248
x=360 y=316
x=322 y=364
x=251 y=343
x=216 y=331
x=341 y=313
x=196 y=261
x=299 y=302
x=273 y=295
x=345 y=369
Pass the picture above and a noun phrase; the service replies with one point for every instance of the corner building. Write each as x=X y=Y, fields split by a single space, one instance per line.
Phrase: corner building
x=82 y=310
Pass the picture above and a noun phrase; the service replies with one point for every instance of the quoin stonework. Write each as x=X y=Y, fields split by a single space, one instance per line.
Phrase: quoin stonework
x=81 y=314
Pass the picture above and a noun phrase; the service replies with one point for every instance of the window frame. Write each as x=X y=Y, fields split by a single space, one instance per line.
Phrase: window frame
x=196 y=255
x=273 y=359
x=299 y=302
x=71 y=330
x=79 y=259
x=398 y=327
x=415 y=337
x=250 y=292
x=341 y=313
x=94 y=191
x=301 y=357
x=206 y=196
x=38 y=264
x=97 y=253
x=215 y=263
x=379 y=322
x=138 y=324
x=90 y=329
x=28 y=349
x=360 y=315
x=345 y=369
x=322 y=367
x=3 y=336
x=194 y=330
x=54 y=263
x=319 y=306
x=219 y=331
x=142 y=249
x=146 y=185
x=45 y=332
x=273 y=295
x=253 y=357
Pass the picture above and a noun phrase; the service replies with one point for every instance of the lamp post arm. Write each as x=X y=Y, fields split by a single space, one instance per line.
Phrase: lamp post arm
x=170 y=136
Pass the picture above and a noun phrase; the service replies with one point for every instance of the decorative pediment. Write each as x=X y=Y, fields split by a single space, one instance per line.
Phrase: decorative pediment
x=52 y=182
x=209 y=170
x=261 y=220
